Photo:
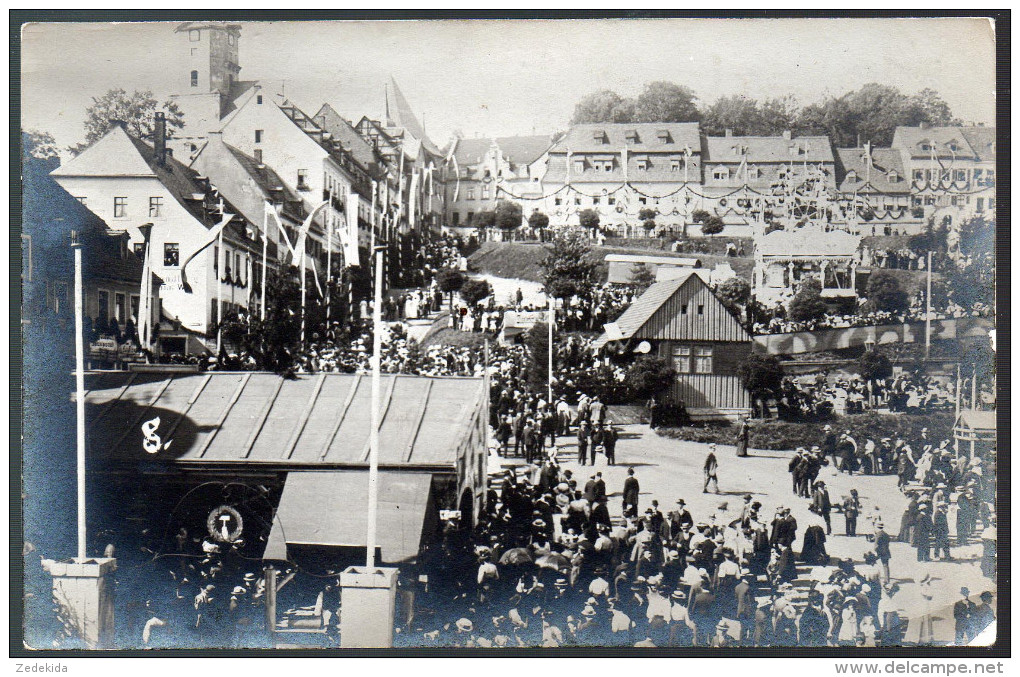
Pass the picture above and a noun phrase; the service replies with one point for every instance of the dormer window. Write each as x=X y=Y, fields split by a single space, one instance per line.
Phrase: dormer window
x=642 y=163
x=194 y=35
x=851 y=175
x=674 y=165
x=579 y=165
x=953 y=145
x=925 y=145
x=893 y=177
x=663 y=136
x=632 y=136
x=600 y=137
x=720 y=173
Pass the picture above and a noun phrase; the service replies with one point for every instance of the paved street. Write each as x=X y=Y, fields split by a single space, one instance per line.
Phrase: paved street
x=668 y=469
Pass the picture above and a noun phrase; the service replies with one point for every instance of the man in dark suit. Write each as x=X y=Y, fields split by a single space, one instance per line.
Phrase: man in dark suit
x=600 y=487
x=609 y=441
x=882 y=549
x=631 y=491
x=963 y=614
x=679 y=517
x=821 y=505
x=589 y=490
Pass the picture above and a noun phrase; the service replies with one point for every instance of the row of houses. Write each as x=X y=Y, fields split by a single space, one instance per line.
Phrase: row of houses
x=279 y=176
x=618 y=170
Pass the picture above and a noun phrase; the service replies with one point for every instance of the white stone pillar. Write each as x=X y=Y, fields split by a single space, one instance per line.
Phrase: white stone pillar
x=368 y=599
x=82 y=591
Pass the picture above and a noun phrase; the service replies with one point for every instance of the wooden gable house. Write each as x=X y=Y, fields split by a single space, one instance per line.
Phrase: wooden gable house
x=683 y=321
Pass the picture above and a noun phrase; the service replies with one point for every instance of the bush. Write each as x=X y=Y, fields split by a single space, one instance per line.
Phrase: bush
x=649 y=376
x=699 y=216
x=775 y=435
x=713 y=225
x=484 y=219
x=474 y=291
x=509 y=215
x=874 y=365
x=646 y=214
x=884 y=293
x=589 y=219
x=808 y=304
x=538 y=220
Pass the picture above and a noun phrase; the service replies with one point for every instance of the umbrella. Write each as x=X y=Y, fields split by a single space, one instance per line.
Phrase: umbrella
x=553 y=561
x=516 y=556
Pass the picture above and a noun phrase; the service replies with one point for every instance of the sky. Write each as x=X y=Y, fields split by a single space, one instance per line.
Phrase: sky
x=510 y=77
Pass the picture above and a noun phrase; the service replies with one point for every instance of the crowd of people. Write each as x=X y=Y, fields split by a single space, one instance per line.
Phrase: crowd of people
x=819 y=398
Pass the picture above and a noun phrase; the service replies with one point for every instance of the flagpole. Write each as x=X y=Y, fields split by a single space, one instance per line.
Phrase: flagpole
x=301 y=263
x=329 y=254
x=219 y=298
x=927 y=315
x=265 y=258
x=552 y=321
x=373 y=455
x=79 y=377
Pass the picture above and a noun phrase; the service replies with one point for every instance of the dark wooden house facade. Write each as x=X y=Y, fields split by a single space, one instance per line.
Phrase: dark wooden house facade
x=683 y=321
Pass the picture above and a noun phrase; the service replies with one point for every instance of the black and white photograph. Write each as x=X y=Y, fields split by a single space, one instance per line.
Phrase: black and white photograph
x=503 y=334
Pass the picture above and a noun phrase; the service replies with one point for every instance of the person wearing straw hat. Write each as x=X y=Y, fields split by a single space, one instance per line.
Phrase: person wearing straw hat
x=711 y=470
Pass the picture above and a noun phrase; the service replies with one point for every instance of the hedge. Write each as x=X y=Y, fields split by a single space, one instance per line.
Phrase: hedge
x=775 y=435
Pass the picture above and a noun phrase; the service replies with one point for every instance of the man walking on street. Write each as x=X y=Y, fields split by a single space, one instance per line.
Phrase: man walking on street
x=609 y=441
x=851 y=509
x=711 y=470
x=821 y=505
x=882 y=549
x=582 y=442
x=631 y=491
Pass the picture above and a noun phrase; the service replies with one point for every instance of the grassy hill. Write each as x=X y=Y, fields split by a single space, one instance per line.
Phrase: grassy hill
x=523 y=260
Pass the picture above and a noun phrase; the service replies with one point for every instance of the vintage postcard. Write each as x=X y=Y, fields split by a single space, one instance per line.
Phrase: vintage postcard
x=509 y=333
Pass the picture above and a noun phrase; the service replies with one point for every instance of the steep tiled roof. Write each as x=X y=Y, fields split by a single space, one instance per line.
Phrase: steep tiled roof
x=914 y=139
x=639 y=137
x=182 y=182
x=728 y=149
x=982 y=140
x=269 y=182
x=403 y=116
x=471 y=151
x=341 y=130
x=523 y=150
x=885 y=161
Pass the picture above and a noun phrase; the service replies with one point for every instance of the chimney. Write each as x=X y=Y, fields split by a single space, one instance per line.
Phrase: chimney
x=787 y=135
x=159 y=138
x=729 y=132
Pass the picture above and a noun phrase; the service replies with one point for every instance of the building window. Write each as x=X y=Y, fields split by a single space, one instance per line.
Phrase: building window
x=258 y=99
x=214 y=311
x=104 y=306
x=595 y=200
x=579 y=166
x=258 y=136
x=701 y=309
x=642 y=164
x=682 y=359
x=194 y=78
x=720 y=173
x=258 y=155
x=980 y=208
x=470 y=217
x=471 y=194
x=611 y=200
x=485 y=192
x=851 y=176
x=683 y=309
x=703 y=360
x=119 y=207
x=119 y=308
x=83 y=200
x=155 y=207
x=577 y=201
x=674 y=165
x=960 y=175
x=134 y=308
x=456 y=218
x=893 y=177
x=171 y=254
x=642 y=200
x=194 y=35
x=302 y=179
x=918 y=175
x=194 y=51
x=216 y=262
x=558 y=201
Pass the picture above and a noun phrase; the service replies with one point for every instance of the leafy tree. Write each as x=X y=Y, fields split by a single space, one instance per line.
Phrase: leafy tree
x=648 y=225
x=450 y=280
x=884 y=293
x=486 y=219
x=509 y=215
x=646 y=214
x=977 y=236
x=275 y=342
x=699 y=216
x=536 y=340
x=589 y=219
x=39 y=145
x=603 y=106
x=102 y=325
x=871 y=113
x=538 y=220
x=931 y=239
x=713 y=225
x=642 y=277
x=649 y=376
x=569 y=268
x=734 y=293
x=746 y=116
x=663 y=101
x=874 y=365
x=762 y=377
x=136 y=110
x=474 y=290
x=807 y=303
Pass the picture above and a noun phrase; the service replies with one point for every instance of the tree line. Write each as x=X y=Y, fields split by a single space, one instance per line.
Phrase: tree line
x=870 y=113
